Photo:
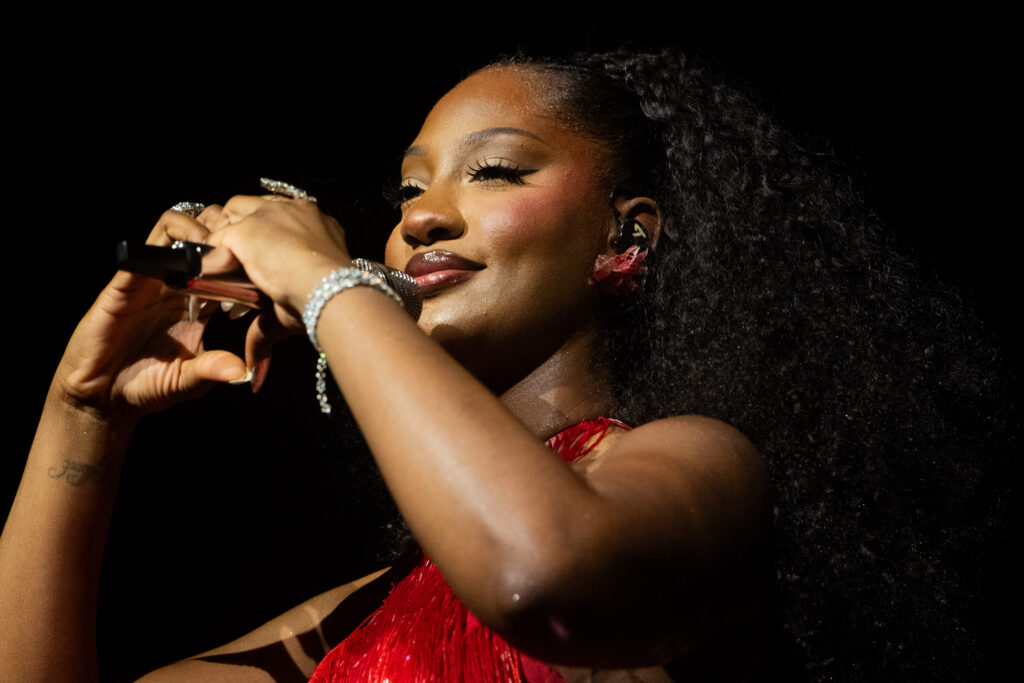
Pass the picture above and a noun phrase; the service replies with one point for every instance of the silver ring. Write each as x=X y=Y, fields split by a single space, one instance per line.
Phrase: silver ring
x=286 y=189
x=192 y=209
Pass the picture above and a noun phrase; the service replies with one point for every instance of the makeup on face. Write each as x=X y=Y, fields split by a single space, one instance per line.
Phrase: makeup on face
x=503 y=213
x=437 y=270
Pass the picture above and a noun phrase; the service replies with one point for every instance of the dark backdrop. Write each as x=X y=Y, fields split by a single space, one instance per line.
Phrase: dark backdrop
x=233 y=509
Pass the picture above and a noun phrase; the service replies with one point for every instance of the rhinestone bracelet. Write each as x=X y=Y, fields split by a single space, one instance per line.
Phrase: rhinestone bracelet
x=337 y=281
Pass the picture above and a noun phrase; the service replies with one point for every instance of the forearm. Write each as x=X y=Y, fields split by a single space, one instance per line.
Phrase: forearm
x=480 y=491
x=52 y=544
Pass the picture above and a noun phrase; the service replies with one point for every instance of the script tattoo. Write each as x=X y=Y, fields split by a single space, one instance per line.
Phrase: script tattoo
x=80 y=473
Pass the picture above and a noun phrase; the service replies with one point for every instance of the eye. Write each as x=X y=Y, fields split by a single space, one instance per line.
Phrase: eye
x=499 y=169
x=398 y=196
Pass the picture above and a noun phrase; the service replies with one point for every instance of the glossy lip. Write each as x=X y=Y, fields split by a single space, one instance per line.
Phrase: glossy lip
x=437 y=270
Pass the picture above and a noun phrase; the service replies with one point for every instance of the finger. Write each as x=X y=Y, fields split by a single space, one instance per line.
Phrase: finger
x=240 y=206
x=219 y=260
x=194 y=377
x=213 y=366
x=188 y=232
x=213 y=217
x=174 y=225
x=265 y=331
x=260 y=373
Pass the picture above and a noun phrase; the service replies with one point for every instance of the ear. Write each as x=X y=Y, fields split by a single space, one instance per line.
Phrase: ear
x=644 y=210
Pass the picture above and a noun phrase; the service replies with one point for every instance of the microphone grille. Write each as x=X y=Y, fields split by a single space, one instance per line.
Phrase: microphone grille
x=403 y=284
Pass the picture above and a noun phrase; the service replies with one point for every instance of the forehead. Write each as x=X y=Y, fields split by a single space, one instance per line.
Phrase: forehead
x=495 y=91
x=496 y=98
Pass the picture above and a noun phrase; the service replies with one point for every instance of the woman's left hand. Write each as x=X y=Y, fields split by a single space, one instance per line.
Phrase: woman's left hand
x=286 y=247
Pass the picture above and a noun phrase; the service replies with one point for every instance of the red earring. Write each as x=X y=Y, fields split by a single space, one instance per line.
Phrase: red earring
x=623 y=273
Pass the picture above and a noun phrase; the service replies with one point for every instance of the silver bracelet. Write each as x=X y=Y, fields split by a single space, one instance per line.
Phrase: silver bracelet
x=337 y=281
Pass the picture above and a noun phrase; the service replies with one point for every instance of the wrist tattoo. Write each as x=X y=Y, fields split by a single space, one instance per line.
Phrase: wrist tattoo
x=80 y=473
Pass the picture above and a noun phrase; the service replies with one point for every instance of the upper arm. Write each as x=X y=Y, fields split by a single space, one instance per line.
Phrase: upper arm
x=671 y=549
x=689 y=482
x=286 y=648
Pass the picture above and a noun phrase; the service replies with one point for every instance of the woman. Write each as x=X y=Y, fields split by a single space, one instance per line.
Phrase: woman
x=535 y=200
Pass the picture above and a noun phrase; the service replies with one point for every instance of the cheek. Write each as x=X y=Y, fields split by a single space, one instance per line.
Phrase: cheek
x=394 y=249
x=561 y=216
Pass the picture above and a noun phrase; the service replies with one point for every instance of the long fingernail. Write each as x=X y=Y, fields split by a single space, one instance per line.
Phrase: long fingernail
x=244 y=379
x=238 y=311
x=262 y=367
x=192 y=309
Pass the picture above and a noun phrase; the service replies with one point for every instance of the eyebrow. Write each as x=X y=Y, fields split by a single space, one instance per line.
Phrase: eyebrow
x=474 y=138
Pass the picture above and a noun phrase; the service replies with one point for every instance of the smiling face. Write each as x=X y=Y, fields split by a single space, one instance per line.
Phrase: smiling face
x=503 y=215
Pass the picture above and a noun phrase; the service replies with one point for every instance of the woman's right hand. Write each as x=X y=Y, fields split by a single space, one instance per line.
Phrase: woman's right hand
x=136 y=351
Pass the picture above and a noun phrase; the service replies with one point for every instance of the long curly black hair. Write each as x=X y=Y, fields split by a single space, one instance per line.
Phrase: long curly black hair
x=778 y=303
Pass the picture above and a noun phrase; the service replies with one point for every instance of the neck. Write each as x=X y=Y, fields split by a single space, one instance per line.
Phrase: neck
x=565 y=389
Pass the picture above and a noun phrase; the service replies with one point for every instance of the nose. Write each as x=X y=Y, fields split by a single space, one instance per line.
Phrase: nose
x=433 y=217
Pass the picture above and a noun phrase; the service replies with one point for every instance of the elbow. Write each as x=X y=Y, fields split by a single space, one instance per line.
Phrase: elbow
x=529 y=607
x=528 y=586
x=571 y=604
x=545 y=604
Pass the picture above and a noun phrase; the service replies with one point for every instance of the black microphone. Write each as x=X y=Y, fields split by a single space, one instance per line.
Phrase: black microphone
x=181 y=267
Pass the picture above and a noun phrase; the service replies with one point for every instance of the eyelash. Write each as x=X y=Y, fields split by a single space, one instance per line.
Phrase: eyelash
x=498 y=169
x=481 y=171
x=397 y=196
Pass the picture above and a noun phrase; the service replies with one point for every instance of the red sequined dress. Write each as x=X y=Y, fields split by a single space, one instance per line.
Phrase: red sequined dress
x=423 y=633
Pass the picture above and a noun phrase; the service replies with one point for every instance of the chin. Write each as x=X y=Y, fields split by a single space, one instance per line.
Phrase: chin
x=455 y=313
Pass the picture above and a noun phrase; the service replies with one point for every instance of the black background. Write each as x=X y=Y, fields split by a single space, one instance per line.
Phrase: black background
x=231 y=510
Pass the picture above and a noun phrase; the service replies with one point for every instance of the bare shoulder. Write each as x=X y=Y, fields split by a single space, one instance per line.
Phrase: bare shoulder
x=682 y=432
x=693 y=443
x=287 y=647
x=688 y=466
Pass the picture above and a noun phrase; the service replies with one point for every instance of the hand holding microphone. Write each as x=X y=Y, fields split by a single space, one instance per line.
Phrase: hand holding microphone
x=180 y=267
x=281 y=257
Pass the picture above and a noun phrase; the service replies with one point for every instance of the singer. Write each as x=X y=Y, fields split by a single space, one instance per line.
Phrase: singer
x=672 y=410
